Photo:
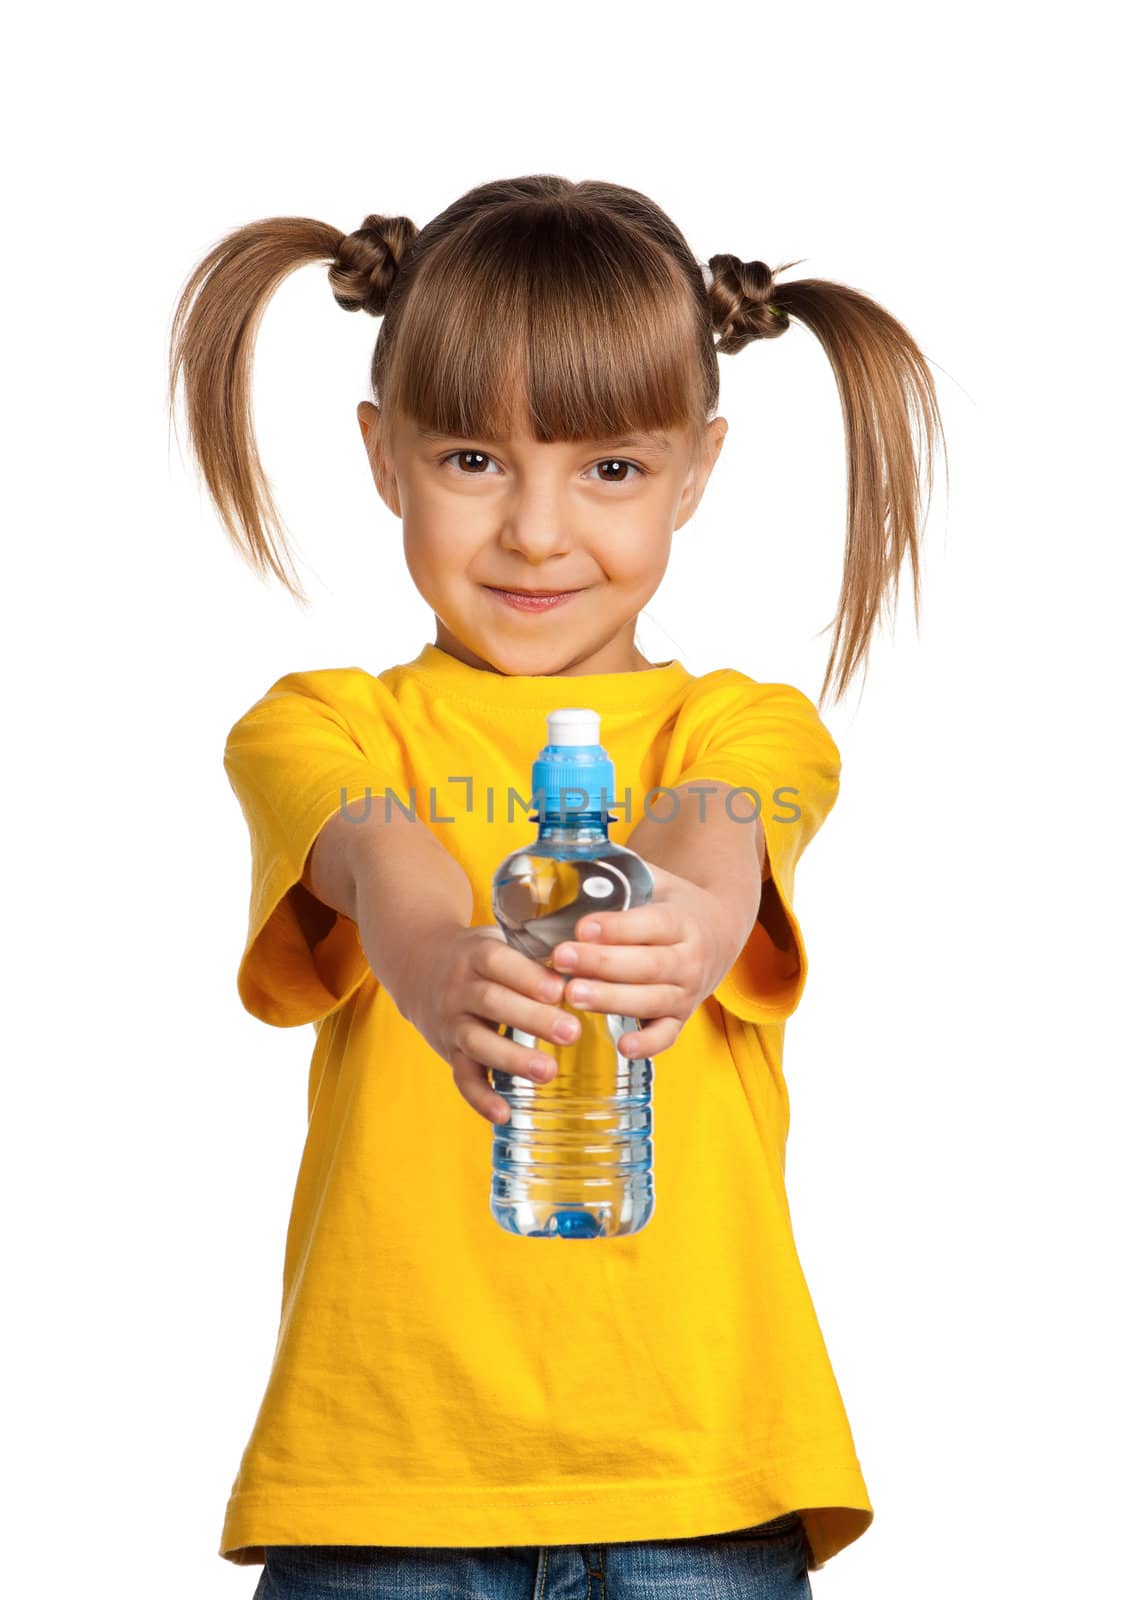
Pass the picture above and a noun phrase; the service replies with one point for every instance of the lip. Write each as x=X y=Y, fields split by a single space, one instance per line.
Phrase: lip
x=532 y=599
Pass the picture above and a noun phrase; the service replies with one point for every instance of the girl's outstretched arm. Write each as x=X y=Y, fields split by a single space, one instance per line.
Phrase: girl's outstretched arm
x=413 y=903
x=701 y=842
x=397 y=864
x=660 y=960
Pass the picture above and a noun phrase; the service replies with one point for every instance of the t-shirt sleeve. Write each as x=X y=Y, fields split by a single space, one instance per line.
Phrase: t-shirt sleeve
x=312 y=745
x=770 y=739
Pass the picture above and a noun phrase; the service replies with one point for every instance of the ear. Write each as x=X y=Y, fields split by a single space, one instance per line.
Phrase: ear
x=704 y=459
x=714 y=436
x=380 y=466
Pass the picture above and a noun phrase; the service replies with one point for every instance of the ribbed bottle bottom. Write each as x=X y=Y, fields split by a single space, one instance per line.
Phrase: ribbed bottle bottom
x=567 y=1168
x=582 y=1220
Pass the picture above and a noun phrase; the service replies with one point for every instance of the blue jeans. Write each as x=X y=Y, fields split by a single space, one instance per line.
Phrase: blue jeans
x=766 y=1562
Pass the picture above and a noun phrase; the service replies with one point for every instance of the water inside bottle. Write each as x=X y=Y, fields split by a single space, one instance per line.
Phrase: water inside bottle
x=574 y=1160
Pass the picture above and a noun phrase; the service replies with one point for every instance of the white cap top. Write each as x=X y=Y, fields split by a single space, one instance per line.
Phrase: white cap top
x=573 y=725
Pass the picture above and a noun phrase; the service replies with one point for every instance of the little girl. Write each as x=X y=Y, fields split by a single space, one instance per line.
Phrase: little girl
x=451 y=1408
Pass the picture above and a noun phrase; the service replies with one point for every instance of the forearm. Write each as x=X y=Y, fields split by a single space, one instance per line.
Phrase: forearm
x=395 y=880
x=701 y=842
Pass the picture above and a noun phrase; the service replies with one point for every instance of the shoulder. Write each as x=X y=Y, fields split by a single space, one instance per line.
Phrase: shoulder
x=341 y=688
x=727 y=700
x=329 y=684
x=348 y=702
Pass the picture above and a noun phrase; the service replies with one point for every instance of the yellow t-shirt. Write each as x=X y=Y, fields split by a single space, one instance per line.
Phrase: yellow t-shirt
x=437 y=1380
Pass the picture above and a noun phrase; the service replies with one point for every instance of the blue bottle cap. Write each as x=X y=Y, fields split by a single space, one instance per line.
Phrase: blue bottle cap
x=572 y=769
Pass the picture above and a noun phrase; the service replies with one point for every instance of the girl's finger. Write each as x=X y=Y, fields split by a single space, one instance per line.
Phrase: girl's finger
x=623 y=963
x=623 y=999
x=654 y=922
x=504 y=965
x=531 y=1021
x=482 y=1043
x=650 y=1040
x=471 y=1079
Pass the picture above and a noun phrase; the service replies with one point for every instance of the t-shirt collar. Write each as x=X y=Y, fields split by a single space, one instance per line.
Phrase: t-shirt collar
x=602 y=691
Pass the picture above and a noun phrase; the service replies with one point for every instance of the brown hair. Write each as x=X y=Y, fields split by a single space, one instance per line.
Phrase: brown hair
x=584 y=300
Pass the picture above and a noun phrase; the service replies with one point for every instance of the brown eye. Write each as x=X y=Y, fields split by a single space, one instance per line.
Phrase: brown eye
x=616 y=461
x=460 y=456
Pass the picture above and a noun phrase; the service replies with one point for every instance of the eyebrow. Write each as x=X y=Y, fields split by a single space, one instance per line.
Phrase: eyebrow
x=632 y=441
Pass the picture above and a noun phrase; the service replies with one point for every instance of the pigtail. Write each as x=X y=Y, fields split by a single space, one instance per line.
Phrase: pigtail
x=212 y=344
x=892 y=423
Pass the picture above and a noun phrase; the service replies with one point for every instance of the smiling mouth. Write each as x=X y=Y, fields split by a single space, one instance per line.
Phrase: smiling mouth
x=532 y=601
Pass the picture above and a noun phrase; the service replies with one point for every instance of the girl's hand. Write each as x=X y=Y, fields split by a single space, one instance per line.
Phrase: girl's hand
x=657 y=961
x=463 y=985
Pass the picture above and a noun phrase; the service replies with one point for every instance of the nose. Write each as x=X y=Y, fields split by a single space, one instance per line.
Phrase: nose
x=535 y=524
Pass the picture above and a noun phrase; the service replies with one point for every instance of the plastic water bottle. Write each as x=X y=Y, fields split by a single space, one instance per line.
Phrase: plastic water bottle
x=574 y=1160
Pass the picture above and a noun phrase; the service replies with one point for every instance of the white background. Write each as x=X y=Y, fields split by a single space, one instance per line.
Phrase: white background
x=958 y=1066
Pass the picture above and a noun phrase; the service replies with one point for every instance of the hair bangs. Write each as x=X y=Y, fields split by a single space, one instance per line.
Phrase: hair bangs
x=547 y=324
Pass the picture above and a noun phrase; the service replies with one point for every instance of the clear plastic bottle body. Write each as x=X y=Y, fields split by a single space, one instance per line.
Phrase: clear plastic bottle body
x=575 y=1158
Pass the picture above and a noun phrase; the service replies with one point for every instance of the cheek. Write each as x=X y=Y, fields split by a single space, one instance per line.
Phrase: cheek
x=426 y=559
x=638 y=554
x=434 y=545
